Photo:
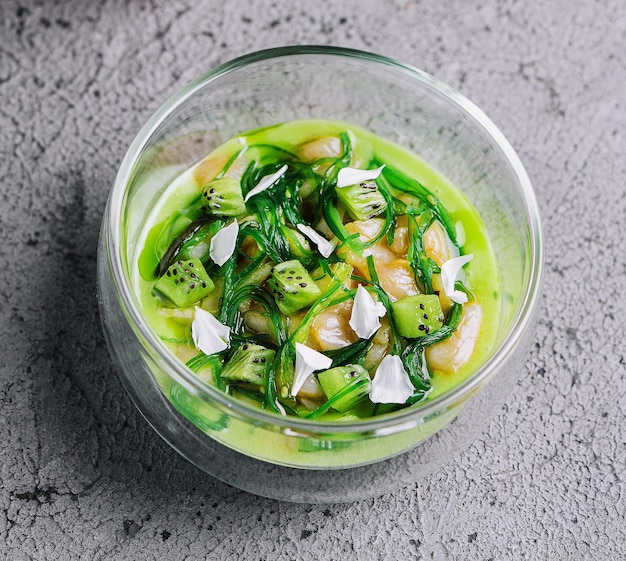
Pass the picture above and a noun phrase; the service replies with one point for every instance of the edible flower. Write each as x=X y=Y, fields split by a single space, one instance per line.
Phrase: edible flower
x=352 y=176
x=365 y=314
x=449 y=272
x=323 y=245
x=307 y=361
x=223 y=243
x=391 y=384
x=209 y=335
x=265 y=183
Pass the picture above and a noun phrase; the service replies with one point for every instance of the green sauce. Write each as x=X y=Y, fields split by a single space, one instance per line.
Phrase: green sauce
x=179 y=225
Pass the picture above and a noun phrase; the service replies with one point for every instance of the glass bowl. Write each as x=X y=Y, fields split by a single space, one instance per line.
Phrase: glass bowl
x=289 y=458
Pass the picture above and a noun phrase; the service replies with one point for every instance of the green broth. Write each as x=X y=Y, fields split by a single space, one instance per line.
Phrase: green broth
x=178 y=207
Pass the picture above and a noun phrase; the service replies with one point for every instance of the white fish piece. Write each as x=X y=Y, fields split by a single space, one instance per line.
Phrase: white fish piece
x=308 y=360
x=449 y=272
x=351 y=176
x=391 y=384
x=366 y=314
x=208 y=334
x=223 y=243
x=265 y=183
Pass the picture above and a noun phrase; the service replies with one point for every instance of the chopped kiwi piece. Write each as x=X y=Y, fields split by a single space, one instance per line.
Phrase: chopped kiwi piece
x=184 y=284
x=249 y=364
x=362 y=200
x=223 y=197
x=335 y=379
x=292 y=287
x=419 y=315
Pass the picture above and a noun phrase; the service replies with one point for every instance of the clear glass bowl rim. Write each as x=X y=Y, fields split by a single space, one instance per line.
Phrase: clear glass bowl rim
x=405 y=418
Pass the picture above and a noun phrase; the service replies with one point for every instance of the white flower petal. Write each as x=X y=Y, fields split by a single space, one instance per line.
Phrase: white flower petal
x=307 y=361
x=449 y=272
x=391 y=384
x=265 y=183
x=323 y=245
x=351 y=176
x=365 y=314
x=223 y=243
x=209 y=335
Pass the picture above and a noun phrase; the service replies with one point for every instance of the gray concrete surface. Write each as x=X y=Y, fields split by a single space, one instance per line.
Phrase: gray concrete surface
x=82 y=476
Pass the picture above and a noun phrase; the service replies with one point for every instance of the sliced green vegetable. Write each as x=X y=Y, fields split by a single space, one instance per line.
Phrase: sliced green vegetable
x=249 y=363
x=362 y=200
x=184 y=284
x=417 y=316
x=293 y=287
x=223 y=197
x=335 y=379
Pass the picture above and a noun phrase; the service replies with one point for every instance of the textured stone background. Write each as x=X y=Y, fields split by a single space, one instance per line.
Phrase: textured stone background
x=81 y=474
